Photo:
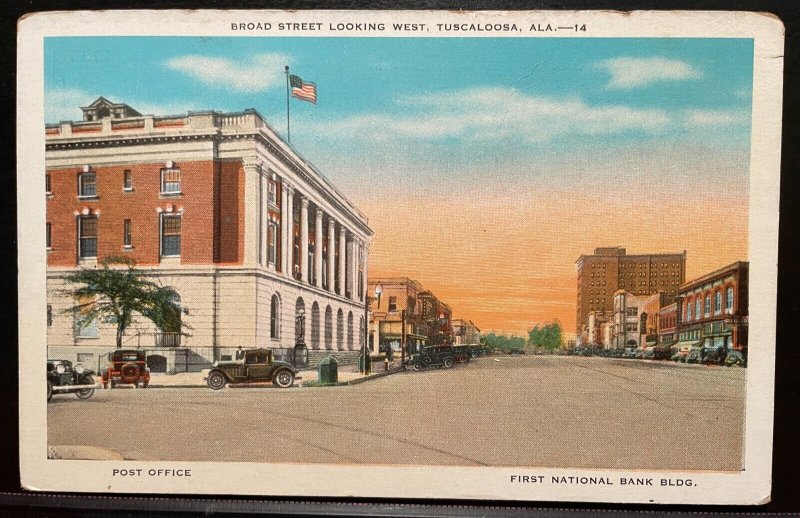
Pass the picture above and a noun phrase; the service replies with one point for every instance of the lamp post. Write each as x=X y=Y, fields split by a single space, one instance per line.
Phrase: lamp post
x=300 y=344
x=367 y=299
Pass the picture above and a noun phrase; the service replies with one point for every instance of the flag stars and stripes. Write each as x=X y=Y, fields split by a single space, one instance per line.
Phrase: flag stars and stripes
x=303 y=90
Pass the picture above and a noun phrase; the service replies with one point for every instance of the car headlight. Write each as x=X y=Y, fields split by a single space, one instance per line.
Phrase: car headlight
x=79 y=368
x=60 y=368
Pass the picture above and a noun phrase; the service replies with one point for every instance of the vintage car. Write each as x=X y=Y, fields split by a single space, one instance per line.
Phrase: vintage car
x=736 y=357
x=126 y=367
x=662 y=352
x=477 y=350
x=714 y=354
x=258 y=365
x=434 y=356
x=461 y=353
x=630 y=351
x=63 y=377
x=696 y=354
x=515 y=352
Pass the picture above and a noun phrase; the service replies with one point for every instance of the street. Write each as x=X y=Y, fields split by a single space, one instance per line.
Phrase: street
x=549 y=411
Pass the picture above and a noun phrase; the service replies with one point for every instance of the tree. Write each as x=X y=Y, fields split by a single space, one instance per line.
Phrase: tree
x=117 y=292
x=548 y=336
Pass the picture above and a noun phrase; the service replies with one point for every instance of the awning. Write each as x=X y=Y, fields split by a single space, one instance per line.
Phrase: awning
x=688 y=344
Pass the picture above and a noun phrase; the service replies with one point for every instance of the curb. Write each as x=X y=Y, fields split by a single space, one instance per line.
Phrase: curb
x=374 y=376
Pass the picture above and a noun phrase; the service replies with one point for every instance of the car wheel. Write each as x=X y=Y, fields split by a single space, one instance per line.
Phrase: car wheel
x=49 y=390
x=417 y=366
x=113 y=384
x=145 y=384
x=216 y=381
x=85 y=393
x=448 y=362
x=129 y=372
x=283 y=378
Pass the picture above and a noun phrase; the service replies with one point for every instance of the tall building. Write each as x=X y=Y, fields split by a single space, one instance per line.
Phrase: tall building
x=601 y=274
x=262 y=248
x=465 y=332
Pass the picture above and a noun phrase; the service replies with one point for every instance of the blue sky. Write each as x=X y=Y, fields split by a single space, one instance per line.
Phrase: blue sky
x=556 y=112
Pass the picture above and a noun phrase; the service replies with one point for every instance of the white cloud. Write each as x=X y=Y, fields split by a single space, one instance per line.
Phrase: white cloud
x=65 y=104
x=716 y=117
x=627 y=73
x=490 y=114
x=256 y=74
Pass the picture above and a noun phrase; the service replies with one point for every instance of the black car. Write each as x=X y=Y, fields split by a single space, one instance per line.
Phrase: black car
x=515 y=352
x=477 y=350
x=461 y=353
x=435 y=356
x=62 y=376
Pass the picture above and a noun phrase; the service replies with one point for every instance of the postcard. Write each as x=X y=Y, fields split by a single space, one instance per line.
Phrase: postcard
x=406 y=254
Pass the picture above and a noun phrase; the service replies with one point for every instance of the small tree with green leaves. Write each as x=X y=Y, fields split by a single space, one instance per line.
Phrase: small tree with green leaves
x=118 y=292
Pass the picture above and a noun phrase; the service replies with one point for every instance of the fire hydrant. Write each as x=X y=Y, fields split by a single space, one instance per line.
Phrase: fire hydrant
x=385 y=363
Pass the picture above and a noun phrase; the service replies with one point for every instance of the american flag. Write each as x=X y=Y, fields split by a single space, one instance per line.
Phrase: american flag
x=304 y=91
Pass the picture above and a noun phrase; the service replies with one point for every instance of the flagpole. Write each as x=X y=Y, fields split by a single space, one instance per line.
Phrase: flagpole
x=288 y=130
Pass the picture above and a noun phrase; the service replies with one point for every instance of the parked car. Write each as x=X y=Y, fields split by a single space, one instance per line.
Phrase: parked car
x=712 y=354
x=649 y=353
x=695 y=354
x=662 y=353
x=434 y=356
x=736 y=357
x=630 y=352
x=477 y=350
x=258 y=365
x=64 y=377
x=515 y=352
x=126 y=367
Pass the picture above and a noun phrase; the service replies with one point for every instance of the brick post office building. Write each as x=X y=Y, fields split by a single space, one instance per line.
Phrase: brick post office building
x=262 y=248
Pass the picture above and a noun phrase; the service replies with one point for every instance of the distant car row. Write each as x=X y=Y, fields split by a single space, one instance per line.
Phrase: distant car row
x=685 y=353
x=444 y=356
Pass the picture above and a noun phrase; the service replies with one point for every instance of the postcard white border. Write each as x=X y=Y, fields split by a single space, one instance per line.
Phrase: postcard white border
x=751 y=486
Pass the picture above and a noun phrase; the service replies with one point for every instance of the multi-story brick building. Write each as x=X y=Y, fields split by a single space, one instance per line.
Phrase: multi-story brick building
x=610 y=269
x=714 y=308
x=439 y=317
x=465 y=332
x=629 y=321
x=262 y=248
x=399 y=304
x=669 y=321
x=650 y=310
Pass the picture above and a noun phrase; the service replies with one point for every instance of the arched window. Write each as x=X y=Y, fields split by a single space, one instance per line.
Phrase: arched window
x=697 y=308
x=315 y=326
x=360 y=332
x=350 y=330
x=340 y=330
x=688 y=311
x=717 y=302
x=707 y=305
x=729 y=300
x=274 y=317
x=328 y=328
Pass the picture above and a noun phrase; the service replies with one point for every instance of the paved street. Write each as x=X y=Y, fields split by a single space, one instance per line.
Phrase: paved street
x=524 y=411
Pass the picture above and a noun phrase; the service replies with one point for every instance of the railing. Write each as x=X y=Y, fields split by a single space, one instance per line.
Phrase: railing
x=167 y=339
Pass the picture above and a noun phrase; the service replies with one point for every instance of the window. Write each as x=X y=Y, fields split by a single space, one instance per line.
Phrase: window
x=87 y=236
x=47 y=187
x=47 y=238
x=631 y=326
x=631 y=312
x=392 y=303
x=87 y=184
x=707 y=305
x=729 y=300
x=688 y=311
x=126 y=234
x=170 y=235
x=49 y=315
x=271 y=192
x=170 y=181
x=127 y=182
x=274 y=320
x=89 y=329
x=697 y=308
x=272 y=241
x=718 y=303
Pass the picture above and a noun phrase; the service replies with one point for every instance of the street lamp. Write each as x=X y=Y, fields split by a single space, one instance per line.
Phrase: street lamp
x=367 y=299
x=300 y=344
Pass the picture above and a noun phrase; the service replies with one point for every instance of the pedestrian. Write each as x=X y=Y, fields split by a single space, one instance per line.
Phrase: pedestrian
x=239 y=353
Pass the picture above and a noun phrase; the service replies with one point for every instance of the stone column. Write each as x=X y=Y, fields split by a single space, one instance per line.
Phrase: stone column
x=304 y=239
x=318 y=249
x=331 y=255
x=364 y=269
x=349 y=254
x=342 y=260
x=356 y=247
x=287 y=222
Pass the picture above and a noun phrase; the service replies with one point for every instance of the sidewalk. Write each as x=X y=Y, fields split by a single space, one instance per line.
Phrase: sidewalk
x=347 y=374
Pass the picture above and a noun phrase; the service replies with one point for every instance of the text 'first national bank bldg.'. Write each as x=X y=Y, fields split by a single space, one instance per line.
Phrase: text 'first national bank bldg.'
x=216 y=205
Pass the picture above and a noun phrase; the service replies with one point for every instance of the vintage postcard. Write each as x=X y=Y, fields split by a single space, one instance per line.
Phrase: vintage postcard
x=463 y=255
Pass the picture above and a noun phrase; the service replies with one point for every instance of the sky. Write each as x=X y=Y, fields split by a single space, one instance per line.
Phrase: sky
x=486 y=166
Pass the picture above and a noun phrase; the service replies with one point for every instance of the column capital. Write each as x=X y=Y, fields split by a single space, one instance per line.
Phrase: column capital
x=331 y=222
x=342 y=231
x=304 y=201
x=319 y=213
x=287 y=187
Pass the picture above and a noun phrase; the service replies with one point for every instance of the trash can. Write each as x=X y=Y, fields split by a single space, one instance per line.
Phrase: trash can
x=361 y=364
x=328 y=370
